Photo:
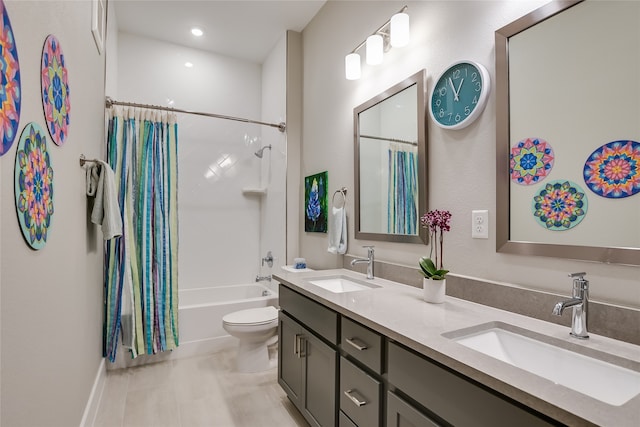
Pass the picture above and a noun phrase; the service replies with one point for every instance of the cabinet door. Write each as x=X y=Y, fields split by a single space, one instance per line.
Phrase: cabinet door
x=401 y=414
x=289 y=361
x=320 y=363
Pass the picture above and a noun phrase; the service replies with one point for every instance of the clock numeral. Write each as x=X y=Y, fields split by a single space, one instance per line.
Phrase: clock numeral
x=442 y=91
x=478 y=86
x=467 y=110
x=474 y=76
x=441 y=113
x=456 y=74
x=438 y=102
x=458 y=118
x=475 y=100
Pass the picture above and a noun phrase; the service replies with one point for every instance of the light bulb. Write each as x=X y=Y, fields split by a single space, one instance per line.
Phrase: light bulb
x=399 y=29
x=375 y=49
x=196 y=32
x=352 y=66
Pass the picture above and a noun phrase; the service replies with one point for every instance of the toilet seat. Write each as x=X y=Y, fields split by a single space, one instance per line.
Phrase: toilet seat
x=252 y=316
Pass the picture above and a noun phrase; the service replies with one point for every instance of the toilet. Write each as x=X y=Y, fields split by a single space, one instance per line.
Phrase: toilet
x=256 y=328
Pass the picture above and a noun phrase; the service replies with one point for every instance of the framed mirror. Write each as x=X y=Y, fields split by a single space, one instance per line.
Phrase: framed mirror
x=391 y=163
x=567 y=110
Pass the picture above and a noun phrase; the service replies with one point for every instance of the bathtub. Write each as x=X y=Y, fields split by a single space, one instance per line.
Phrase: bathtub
x=200 y=312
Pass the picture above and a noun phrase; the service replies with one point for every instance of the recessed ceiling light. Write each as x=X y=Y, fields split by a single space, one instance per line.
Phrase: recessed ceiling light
x=188 y=64
x=196 y=32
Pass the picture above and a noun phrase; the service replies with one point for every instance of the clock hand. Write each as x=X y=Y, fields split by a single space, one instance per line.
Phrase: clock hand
x=455 y=94
x=459 y=86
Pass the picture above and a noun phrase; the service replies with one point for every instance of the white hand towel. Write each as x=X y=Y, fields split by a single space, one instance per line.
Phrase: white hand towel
x=338 y=231
x=106 y=210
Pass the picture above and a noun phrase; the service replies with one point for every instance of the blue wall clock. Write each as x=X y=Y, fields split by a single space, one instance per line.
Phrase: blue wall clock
x=459 y=95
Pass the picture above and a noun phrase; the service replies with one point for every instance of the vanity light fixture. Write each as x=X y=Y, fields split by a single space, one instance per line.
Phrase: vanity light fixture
x=197 y=32
x=188 y=64
x=393 y=33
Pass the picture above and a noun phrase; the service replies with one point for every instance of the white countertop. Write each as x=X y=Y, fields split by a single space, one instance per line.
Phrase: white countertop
x=398 y=311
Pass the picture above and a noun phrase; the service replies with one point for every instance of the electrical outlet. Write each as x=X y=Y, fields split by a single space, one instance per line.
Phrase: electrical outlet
x=480 y=224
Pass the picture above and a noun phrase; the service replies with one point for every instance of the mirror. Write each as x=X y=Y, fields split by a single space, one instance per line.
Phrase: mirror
x=566 y=91
x=391 y=164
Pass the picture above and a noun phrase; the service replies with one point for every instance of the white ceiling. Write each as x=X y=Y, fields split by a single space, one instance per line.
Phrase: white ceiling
x=241 y=29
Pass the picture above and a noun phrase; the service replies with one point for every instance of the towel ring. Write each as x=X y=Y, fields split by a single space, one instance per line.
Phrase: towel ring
x=343 y=192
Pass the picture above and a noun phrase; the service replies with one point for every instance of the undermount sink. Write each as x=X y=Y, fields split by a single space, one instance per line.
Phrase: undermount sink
x=547 y=357
x=341 y=284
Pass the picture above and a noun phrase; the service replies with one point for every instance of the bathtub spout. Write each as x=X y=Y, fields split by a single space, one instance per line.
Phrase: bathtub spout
x=263 y=278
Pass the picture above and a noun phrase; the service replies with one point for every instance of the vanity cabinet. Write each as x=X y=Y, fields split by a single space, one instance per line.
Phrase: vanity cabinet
x=307 y=365
x=338 y=372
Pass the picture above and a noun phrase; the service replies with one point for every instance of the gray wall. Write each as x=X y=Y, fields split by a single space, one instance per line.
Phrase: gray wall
x=51 y=317
x=461 y=164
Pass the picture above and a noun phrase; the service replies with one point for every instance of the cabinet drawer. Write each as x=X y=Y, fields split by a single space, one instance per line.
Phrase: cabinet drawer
x=400 y=413
x=315 y=316
x=362 y=343
x=359 y=395
x=344 y=421
x=450 y=396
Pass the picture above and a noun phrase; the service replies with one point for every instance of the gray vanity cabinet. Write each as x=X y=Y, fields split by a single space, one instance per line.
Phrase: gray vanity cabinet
x=307 y=365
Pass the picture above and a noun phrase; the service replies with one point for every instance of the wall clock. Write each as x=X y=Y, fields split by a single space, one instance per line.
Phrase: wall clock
x=459 y=95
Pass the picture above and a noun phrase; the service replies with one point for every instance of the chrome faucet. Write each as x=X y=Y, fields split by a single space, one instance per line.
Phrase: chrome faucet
x=580 y=303
x=368 y=260
x=263 y=278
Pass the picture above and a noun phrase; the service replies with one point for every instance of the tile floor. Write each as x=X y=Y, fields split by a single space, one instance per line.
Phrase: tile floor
x=199 y=391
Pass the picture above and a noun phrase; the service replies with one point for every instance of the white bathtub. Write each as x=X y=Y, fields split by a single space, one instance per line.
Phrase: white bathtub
x=201 y=310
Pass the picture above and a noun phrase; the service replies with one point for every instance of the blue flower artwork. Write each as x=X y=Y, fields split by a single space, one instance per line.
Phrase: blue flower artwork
x=315 y=203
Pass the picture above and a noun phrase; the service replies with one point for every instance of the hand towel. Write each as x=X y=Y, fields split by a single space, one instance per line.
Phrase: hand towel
x=338 y=231
x=106 y=210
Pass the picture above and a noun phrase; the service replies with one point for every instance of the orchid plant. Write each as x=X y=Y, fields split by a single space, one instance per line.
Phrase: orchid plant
x=437 y=222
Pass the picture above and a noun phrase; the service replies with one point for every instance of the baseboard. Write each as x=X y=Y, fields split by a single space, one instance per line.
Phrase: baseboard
x=91 y=410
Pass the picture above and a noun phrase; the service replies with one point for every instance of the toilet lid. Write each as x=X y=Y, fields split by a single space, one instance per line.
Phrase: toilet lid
x=252 y=316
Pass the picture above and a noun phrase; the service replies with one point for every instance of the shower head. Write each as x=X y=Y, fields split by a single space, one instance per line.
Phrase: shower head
x=261 y=151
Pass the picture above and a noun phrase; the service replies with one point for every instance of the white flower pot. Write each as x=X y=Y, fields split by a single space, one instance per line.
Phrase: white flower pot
x=434 y=290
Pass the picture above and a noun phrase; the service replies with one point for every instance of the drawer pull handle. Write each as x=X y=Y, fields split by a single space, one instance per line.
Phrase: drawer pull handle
x=353 y=343
x=355 y=400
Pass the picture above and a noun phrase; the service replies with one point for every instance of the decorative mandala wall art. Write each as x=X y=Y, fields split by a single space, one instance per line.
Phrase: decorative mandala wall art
x=55 y=90
x=34 y=185
x=10 y=93
x=560 y=205
x=531 y=161
x=613 y=170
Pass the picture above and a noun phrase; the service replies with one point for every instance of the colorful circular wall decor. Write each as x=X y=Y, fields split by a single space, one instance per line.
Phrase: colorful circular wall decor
x=530 y=161
x=34 y=185
x=613 y=170
x=560 y=205
x=10 y=92
x=55 y=90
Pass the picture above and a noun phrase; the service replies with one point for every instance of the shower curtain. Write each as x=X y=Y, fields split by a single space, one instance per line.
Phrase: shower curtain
x=402 y=189
x=141 y=266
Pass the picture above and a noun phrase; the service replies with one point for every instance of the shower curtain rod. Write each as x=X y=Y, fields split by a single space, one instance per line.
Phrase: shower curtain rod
x=109 y=102
x=380 y=138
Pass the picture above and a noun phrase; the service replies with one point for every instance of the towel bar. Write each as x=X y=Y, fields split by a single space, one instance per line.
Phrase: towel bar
x=84 y=160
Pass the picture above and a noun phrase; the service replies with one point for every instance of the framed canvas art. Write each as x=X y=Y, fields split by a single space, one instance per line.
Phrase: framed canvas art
x=316 y=202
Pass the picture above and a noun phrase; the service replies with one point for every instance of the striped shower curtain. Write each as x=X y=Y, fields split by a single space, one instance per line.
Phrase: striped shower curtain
x=402 y=189
x=141 y=266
